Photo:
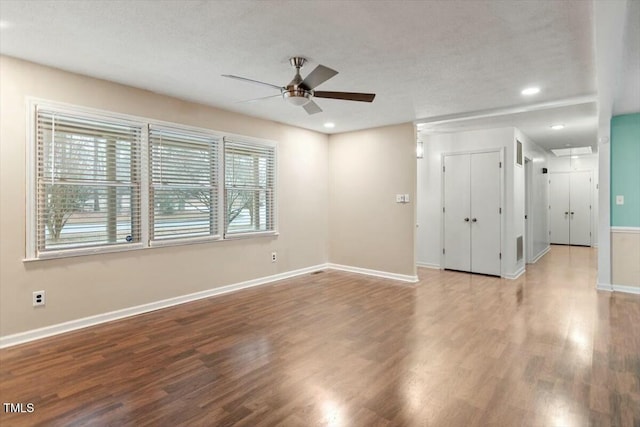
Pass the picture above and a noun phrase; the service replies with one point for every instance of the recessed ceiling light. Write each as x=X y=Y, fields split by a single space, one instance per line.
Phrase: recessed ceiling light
x=530 y=91
x=329 y=125
x=557 y=127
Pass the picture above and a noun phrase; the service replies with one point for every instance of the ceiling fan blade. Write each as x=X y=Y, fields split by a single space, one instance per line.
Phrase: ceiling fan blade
x=318 y=76
x=244 y=79
x=312 y=108
x=347 y=96
x=248 y=101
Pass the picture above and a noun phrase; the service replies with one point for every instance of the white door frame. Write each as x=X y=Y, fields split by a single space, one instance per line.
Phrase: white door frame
x=528 y=197
x=503 y=215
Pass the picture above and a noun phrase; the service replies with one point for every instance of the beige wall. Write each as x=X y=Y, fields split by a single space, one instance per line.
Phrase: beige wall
x=625 y=258
x=368 y=228
x=89 y=285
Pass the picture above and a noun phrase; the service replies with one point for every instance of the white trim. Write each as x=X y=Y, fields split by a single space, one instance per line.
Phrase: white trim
x=635 y=290
x=47 y=331
x=628 y=230
x=155 y=244
x=376 y=273
x=525 y=108
x=517 y=274
x=178 y=241
x=91 y=250
x=541 y=254
x=145 y=183
x=31 y=170
x=250 y=234
x=428 y=265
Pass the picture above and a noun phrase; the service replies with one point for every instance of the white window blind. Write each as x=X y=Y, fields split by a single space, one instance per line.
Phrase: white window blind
x=88 y=181
x=184 y=184
x=249 y=192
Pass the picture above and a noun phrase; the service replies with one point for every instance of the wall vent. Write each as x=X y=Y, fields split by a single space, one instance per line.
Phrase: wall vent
x=519 y=248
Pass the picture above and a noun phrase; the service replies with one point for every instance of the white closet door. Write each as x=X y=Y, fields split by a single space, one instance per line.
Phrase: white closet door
x=457 y=230
x=485 y=213
x=580 y=208
x=559 y=213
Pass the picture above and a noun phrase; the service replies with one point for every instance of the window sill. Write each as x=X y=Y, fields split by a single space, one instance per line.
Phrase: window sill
x=69 y=253
x=251 y=235
x=181 y=241
x=99 y=250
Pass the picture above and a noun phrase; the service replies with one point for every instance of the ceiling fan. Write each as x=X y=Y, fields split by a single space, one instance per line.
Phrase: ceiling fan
x=301 y=91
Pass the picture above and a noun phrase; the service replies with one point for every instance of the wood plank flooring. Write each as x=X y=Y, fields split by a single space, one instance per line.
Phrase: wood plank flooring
x=341 y=349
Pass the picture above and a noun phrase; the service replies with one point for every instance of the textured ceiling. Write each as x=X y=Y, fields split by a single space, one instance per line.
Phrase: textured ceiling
x=627 y=99
x=422 y=58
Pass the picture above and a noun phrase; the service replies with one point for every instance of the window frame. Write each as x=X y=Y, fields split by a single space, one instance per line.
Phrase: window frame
x=31 y=238
x=274 y=209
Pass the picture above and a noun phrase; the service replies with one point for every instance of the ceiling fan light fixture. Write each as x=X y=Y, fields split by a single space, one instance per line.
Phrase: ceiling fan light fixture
x=297 y=97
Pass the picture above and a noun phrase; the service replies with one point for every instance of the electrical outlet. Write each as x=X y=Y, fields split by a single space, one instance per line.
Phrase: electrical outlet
x=274 y=256
x=38 y=298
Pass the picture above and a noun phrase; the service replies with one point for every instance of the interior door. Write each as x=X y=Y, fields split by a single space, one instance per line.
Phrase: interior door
x=485 y=213
x=580 y=208
x=559 y=213
x=457 y=211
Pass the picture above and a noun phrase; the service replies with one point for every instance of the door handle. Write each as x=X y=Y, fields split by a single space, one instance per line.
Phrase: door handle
x=466 y=220
x=474 y=220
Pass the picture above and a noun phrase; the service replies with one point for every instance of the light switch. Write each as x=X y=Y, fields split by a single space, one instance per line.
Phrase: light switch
x=619 y=200
x=406 y=198
x=398 y=198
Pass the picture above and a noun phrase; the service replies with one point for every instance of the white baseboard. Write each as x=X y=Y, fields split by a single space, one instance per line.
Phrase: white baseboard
x=428 y=265
x=376 y=273
x=541 y=254
x=618 y=288
x=515 y=275
x=72 y=325
x=47 y=331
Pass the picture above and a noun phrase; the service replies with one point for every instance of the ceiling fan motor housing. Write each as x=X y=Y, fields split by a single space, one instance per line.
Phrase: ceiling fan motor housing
x=293 y=93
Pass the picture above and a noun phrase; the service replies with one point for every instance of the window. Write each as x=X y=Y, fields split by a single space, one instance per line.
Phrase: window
x=249 y=177
x=88 y=182
x=183 y=193
x=102 y=182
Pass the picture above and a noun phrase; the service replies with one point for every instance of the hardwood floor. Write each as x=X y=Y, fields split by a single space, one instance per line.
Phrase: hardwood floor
x=343 y=349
